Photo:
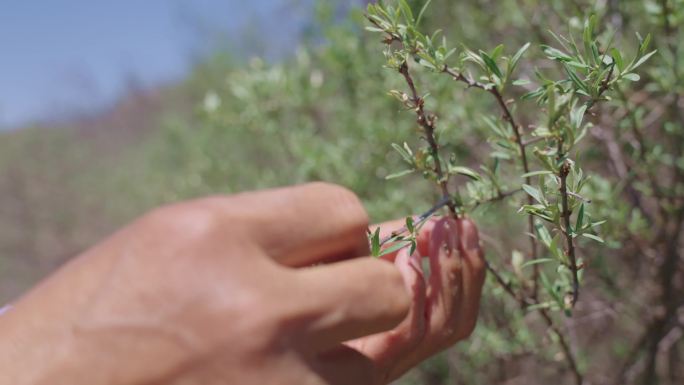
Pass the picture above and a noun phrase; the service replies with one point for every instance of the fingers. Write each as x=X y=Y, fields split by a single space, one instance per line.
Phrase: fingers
x=305 y=224
x=409 y=333
x=348 y=299
x=440 y=315
x=473 y=273
x=343 y=365
x=444 y=290
x=386 y=348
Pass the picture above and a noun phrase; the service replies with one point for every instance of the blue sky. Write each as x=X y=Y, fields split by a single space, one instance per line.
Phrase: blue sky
x=60 y=57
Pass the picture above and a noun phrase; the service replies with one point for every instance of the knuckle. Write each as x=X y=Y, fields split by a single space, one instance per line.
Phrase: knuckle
x=467 y=225
x=186 y=220
x=345 y=200
x=477 y=265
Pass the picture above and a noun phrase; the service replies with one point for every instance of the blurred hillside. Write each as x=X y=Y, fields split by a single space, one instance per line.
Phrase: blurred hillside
x=66 y=184
x=53 y=202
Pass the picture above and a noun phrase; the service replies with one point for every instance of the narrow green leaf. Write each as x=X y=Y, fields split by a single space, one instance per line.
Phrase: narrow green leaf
x=535 y=173
x=409 y=224
x=550 y=289
x=406 y=146
x=596 y=55
x=539 y=306
x=399 y=174
x=579 y=83
x=405 y=153
x=449 y=53
x=577 y=115
x=521 y=82
x=534 y=193
x=374 y=29
x=469 y=55
x=536 y=262
x=556 y=54
x=642 y=60
x=427 y=64
x=588 y=36
x=583 y=92
x=496 y=52
x=556 y=250
x=644 y=43
x=594 y=237
x=580 y=218
x=516 y=58
x=544 y=234
x=406 y=10
x=394 y=248
x=414 y=246
x=375 y=243
x=422 y=11
x=465 y=171
x=632 y=77
x=617 y=58
x=578 y=64
x=491 y=64
x=500 y=155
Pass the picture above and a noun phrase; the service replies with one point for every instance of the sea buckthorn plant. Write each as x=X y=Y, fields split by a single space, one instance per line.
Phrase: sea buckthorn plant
x=538 y=153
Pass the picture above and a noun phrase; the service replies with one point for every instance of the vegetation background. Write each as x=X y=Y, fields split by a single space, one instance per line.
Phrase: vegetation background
x=323 y=113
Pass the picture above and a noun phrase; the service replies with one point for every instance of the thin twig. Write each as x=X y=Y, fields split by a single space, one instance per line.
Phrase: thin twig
x=508 y=116
x=523 y=302
x=443 y=202
x=567 y=352
x=417 y=220
x=565 y=214
x=427 y=122
x=498 y=197
x=533 y=140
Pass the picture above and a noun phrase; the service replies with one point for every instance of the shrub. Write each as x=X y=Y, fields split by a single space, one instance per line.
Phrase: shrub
x=596 y=113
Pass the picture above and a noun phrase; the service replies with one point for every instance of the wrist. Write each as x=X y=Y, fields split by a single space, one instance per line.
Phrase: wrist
x=39 y=350
x=33 y=349
x=53 y=335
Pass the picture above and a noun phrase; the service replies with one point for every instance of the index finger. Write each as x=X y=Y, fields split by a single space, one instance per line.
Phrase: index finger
x=305 y=224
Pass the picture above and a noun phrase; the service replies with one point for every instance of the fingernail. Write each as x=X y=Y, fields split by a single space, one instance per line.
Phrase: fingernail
x=444 y=240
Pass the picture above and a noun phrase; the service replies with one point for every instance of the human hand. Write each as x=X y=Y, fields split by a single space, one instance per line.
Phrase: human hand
x=256 y=288
x=444 y=303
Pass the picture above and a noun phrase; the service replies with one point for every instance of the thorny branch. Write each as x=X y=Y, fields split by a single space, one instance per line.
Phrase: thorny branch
x=565 y=346
x=564 y=171
x=523 y=302
x=443 y=202
x=427 y=122
x=508 y=116
x=566 y=212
